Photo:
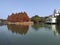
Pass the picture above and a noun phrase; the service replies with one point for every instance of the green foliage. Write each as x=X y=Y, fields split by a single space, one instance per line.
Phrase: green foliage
x=36 y=19
x=58 y=19
x=43 y=19
x=58 y=28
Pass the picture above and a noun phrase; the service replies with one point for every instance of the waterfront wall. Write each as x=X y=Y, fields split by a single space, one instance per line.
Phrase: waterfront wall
x=21 y=23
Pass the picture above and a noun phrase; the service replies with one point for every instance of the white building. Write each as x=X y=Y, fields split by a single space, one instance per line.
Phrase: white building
x=52 y=18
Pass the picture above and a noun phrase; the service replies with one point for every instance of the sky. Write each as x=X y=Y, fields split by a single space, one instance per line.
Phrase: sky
x=31 y=7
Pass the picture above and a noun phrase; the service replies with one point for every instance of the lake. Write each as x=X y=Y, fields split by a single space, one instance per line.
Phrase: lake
x=37 y=34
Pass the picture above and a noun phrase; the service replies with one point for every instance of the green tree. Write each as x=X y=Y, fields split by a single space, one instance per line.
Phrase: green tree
x=36 y=19
x=58 y=18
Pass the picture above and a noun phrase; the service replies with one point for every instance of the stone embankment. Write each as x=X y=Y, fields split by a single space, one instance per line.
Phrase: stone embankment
x=21 y=23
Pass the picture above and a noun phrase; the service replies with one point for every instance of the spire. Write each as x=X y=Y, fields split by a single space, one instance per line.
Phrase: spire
x=56 y=12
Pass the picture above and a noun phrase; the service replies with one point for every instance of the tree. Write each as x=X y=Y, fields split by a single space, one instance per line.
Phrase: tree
x=18 y=17
x=58 y=19
x=36 y=19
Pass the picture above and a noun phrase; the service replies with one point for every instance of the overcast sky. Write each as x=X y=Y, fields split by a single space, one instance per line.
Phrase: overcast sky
x=32 y=7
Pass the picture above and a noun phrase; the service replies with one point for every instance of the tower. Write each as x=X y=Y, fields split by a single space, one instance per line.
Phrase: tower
x=56 y=12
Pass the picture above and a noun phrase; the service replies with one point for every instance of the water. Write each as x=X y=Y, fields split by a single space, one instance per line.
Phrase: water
x=37 y=34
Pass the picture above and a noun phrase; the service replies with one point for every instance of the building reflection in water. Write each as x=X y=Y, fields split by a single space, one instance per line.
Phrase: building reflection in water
x=56 y=29
x=53 y=27
x=21 y=29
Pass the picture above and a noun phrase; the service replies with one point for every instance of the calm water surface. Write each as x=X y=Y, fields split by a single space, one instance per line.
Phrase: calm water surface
x=37 y=34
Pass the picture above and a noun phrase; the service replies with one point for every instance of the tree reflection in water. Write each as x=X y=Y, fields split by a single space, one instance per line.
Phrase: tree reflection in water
x=53 y=27
x=21 y=29
x=36 y=26
x=58 y=28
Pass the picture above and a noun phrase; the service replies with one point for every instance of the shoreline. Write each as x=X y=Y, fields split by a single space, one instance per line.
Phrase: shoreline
x=21 y=23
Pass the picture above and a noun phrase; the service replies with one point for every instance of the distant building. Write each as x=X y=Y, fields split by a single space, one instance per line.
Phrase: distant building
x=52 y=18
x=56 y=13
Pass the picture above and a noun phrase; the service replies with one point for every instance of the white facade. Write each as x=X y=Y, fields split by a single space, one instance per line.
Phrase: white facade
x=57 y=14
x=52 y=19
